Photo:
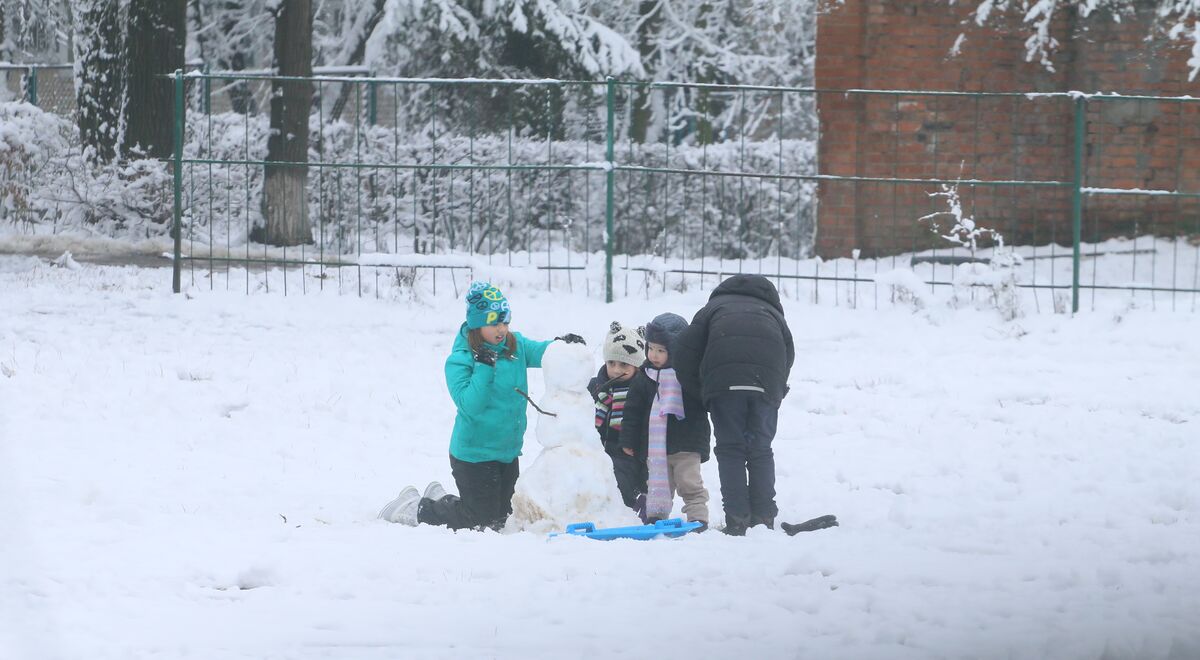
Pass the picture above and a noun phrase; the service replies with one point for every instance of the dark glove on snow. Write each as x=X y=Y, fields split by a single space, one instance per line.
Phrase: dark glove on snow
x=823 y=522
x=571 y=338
x=484 y=356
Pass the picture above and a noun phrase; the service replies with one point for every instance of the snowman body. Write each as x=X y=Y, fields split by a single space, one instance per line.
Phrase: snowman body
x=572 y=479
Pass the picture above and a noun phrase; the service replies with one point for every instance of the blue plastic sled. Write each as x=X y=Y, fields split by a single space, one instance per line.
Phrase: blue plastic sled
x=671 y=528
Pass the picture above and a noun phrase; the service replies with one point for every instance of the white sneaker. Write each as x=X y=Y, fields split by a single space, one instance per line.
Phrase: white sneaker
x=434 y=491
x=403 y=509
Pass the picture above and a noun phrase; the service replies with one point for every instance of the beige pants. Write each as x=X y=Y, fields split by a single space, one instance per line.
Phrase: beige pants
x=683 y=475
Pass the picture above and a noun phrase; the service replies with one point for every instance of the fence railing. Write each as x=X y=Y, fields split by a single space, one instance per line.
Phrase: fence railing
x=627 y=186
x=48 y=86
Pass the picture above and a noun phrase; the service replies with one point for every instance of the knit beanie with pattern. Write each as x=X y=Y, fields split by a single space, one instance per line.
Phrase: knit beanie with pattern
x=486 y=305
x=625 y=343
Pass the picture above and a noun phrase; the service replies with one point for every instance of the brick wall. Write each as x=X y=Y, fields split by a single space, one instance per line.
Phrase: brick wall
x=906 y=45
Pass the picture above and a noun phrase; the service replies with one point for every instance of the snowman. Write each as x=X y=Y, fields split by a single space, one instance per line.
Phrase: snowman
x=571 y=480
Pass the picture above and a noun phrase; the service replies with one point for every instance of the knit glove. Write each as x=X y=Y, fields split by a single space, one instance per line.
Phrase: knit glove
x=571 y=338
x=484 y=356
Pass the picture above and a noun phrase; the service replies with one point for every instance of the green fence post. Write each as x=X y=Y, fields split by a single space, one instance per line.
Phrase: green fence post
x=1077 y=199
x=178 y=167
x=609 y=182
x=31 y=91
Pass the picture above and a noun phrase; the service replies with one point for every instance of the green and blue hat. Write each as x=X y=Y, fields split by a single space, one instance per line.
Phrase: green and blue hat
x=486 y=305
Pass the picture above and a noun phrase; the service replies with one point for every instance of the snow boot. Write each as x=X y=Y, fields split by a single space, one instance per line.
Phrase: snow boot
x=639 y=507
x=403 y=509
x=433 y=491
x=761 y=520
x=736 y=526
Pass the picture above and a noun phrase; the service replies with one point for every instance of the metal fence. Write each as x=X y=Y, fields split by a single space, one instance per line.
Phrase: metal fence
x=624 y=187
x=445 y=176
x=48 y=86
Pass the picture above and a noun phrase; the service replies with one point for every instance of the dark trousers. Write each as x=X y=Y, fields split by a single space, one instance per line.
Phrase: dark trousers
x=744 y=425
x=631 y=476
x=485 y=492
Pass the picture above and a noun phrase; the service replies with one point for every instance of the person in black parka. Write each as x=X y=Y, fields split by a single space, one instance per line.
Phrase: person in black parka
x=737 y=353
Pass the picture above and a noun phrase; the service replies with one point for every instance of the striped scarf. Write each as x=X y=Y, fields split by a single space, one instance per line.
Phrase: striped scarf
x=611 y=409
x=669 y=401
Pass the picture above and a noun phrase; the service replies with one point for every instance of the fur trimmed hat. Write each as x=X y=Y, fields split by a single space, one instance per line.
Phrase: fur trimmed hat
x=625 y=343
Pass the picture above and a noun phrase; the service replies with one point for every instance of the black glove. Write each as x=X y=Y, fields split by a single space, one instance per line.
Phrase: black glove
x=484 y=356
x=571 y=338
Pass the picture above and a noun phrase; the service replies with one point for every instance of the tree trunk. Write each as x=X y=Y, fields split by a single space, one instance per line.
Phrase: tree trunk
x=285 y=201
x=153 y=46
x=241 y=96
x=650 y=18
x=99 y=76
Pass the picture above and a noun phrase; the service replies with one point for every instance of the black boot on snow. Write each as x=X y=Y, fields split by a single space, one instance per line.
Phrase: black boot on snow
x=735 y=526
x=755 y=521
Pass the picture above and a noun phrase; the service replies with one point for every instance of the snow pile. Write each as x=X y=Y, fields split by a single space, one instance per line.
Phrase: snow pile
x=29 y=139
x=571 y=480
x=48 y=183
x=29 y=134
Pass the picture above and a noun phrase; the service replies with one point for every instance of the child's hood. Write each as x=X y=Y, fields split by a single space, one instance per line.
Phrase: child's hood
x=664 y=329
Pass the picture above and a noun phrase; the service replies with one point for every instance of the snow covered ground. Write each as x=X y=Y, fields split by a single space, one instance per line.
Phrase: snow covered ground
x=197 y=477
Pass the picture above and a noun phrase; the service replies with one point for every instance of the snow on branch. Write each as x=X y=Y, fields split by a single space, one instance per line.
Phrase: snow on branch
x=965 y=231
x=1180 y=19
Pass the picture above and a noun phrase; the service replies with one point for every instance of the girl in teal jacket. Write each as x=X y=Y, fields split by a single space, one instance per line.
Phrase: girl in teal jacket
x=486 y=368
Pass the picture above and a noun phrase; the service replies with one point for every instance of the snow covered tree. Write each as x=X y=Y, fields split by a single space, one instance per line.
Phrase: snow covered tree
x=749 y=42
x=513 y=39
x=650 y=18
x=99 y=76
x=340 y=34
x=284 y=200
x=35 y=31
x=233 y=35
x=153 y=47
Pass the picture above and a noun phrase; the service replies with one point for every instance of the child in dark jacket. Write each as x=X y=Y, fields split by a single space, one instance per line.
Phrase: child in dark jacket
x=666 y=428
x=624 y=352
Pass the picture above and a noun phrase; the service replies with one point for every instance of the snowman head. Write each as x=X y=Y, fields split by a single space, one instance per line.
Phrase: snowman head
x=567 y=367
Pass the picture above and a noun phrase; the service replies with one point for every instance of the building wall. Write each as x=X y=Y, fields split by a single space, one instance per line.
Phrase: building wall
x=895 y=45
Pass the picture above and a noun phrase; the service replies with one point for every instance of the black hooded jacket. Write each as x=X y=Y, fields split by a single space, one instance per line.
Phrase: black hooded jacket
x=692 y=433
x=738 y=341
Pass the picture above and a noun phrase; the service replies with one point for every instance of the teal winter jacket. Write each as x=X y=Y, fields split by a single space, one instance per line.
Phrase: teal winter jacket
x=490 y=424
